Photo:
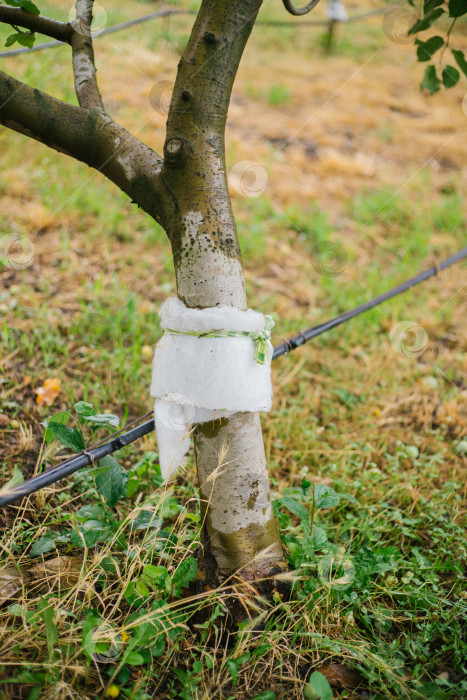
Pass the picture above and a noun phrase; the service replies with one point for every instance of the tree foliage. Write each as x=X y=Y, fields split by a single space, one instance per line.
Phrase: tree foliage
x=433 y=49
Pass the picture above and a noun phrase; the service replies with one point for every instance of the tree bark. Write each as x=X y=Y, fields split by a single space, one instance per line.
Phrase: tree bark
x=84 y=69
x=62 y=31
x=187 y=193
x=240 y=530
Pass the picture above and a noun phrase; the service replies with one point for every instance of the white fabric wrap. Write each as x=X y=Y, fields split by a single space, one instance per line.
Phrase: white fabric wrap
x=337 y=12
x=195 y=380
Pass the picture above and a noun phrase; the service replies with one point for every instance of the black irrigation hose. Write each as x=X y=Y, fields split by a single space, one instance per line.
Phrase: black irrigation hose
x=168 y=13
x=298 y=11
x=297 y=340
x=73 y=464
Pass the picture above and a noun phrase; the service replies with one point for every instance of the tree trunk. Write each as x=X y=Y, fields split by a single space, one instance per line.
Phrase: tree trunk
x=240 y=530
x=187 y=193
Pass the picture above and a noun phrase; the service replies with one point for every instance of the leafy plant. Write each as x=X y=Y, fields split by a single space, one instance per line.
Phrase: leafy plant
x=439 y=73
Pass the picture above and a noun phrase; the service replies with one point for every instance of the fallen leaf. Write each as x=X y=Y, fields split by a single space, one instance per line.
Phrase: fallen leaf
x=60 y=571
x=11 y=581
x=48 y=392
x=340 y=676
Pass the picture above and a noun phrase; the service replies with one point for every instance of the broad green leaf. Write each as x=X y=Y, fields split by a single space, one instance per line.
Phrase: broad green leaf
x=158 y=648
x=26 y=40
x=141 y=588
x=426 y=49
x=10 y=40
x=305 y=486
x=16 y=609
x=368 y=562
x=422 y=24
x=460 y=60
x=110 y=565
x=430 y=81
x=46 y=612
x=23 y=39
x=436 y=14
x=457 y=8
x=19 y=610
x=17 y=478
x=92 y=620
x=233 y=666
x=83 y=408
x=184 y=574
x=91 y=512
x=68 y=437
x=47 y=543
x=145 y=519
x=111 y=482
x=92 y=531
x=318 y=688
x=103 y=419
x=61 y=417
x=266 y=695
x=325 y=497
x=197 y=666
x=319 y=537
x=155 y=572
x=134 y=659
x=450 y=76
x=419 y=26
x=429 y=5
x=129 y=592
x=295 y=507
x=262 y=649
x=166 y=541
x=24 y=5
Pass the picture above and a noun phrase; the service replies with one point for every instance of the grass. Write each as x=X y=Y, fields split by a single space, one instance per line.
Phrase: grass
x=366 y=443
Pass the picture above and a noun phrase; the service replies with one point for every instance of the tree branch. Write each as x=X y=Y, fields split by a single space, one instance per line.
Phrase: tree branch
x=88 y=136
x=62 y=31
x=84 y=68
x=194 y=166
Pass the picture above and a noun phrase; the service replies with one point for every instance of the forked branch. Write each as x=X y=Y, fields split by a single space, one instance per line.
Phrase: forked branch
x=87 y=135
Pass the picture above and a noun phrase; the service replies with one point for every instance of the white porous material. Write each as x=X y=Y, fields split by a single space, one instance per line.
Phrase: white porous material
x=337 y=12
x=196 y=379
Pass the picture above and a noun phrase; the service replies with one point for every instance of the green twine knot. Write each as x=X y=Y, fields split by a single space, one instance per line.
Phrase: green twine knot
x=262 y=341
x=261 y=338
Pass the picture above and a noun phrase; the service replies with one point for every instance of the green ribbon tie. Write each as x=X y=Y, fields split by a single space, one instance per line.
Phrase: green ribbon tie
x=261 y=338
